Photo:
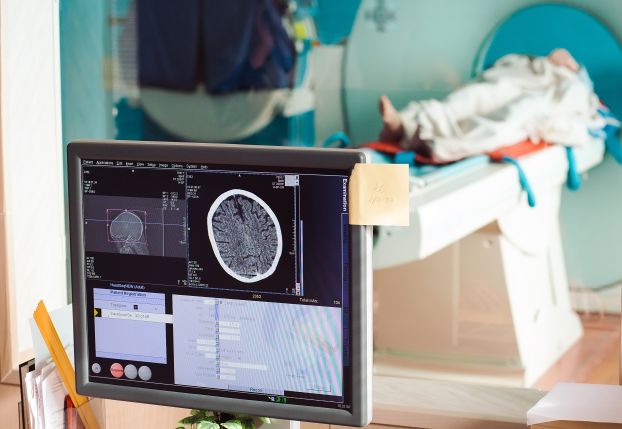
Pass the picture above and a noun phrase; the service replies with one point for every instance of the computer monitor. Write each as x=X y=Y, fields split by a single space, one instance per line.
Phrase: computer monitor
x=220 y=277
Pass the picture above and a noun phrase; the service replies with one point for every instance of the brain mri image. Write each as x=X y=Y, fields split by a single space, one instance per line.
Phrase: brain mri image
x=127 y=230
x=245 y=235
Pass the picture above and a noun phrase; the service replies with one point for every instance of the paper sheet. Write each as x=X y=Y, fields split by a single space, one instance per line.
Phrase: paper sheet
x=63 y=322
x=39 y=390
x=53 y=393
x=379 y=195
x=46 y=395
x=596 y=403
x=31 y=392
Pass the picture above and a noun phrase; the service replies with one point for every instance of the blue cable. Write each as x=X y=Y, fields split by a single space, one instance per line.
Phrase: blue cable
x=609 y=134
x=524 y=182
x=337 y=140
x=614 y=148
x=574 y=178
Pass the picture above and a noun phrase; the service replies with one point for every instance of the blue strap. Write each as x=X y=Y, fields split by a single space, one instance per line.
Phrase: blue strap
x=609 y=133
x=573 y=180
x=337 y=140
x=524 y=182
x=405 y=158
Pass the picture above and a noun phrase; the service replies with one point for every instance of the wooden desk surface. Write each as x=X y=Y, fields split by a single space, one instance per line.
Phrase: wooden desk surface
x=428 y=403
x=397 y=402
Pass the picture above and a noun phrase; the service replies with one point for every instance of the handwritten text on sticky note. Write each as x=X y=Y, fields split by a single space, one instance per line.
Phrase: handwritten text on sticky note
x=379 y=195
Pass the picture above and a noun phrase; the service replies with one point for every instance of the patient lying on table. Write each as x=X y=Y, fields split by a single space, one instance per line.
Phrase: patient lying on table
x=520 y=98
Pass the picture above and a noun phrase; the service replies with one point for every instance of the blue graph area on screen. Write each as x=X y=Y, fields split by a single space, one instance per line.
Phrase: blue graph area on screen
x=260 y=347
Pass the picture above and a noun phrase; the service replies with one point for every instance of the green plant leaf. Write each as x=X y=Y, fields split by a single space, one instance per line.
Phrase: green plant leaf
x=180 y=427
x=207 y=424
x=225 y=417
x=232 y=424
x=265 y=420
x=189 y=420
x=247 y=423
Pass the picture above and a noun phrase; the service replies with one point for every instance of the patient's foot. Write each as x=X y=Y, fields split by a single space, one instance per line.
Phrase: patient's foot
x=393 y=129
x=562 y=57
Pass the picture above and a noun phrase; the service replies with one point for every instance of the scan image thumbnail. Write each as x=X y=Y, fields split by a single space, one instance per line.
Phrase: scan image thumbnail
x=134 y=226
x=245 y=235
x=126 y=229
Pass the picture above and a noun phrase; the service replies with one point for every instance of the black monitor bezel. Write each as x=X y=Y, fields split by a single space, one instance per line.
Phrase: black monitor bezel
x=228 y=154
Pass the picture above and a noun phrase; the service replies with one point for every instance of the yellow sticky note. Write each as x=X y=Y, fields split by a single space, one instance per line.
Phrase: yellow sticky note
x=379 y=195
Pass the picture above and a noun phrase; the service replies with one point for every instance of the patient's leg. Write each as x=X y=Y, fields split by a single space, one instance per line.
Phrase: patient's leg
x=480 y=98
x=396 y=131
x=466 y=102
x=393 y=128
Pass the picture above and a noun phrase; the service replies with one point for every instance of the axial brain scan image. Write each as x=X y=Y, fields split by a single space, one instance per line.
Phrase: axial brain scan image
x=245 y=235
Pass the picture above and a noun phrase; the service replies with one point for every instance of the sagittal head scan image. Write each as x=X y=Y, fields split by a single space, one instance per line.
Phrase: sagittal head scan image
x=126 y=227
x=127 y=231
x=245 y=235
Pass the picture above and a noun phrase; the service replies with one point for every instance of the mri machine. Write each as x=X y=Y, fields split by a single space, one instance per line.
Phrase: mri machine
x=479 y=278
x=477 y=287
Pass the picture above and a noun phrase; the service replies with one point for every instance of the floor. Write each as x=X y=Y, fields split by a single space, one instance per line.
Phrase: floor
x=9 y=397
x=594 y=359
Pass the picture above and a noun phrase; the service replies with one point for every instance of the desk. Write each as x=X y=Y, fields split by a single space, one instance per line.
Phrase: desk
x=398 y=402
x=427 y=404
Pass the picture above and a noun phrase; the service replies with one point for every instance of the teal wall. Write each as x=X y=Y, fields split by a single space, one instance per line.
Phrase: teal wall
x=334 y=19
x=87 y=112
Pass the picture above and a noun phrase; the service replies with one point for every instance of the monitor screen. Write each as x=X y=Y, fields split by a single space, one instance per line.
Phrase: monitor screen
x=218 y=279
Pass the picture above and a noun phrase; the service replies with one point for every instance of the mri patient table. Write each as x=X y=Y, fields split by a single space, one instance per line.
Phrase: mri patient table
x=479 y=277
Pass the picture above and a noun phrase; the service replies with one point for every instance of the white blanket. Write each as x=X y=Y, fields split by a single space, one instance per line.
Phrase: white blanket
x=519 y=98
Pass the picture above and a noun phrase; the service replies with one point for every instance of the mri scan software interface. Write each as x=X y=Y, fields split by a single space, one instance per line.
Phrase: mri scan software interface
x=219 y=280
